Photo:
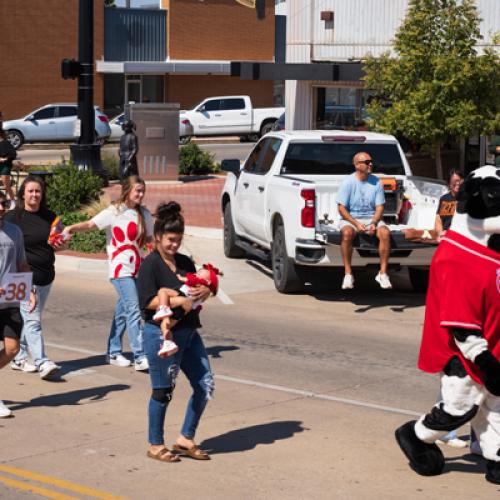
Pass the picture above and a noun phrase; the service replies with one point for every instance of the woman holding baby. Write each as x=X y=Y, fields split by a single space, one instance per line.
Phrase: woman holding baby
x=165 y=268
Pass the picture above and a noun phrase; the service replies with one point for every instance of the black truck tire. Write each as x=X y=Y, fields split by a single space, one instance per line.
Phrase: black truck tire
x=230 y=249
x=286 y=278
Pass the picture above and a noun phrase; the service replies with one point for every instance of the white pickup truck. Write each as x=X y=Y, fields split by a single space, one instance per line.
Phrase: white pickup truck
x=280 y=203
x=231 y=115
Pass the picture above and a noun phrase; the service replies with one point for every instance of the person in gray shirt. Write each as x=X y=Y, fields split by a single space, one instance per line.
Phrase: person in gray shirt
x=12 y=260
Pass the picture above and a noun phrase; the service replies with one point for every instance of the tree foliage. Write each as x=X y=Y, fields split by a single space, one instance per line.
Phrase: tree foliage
x=437 y=86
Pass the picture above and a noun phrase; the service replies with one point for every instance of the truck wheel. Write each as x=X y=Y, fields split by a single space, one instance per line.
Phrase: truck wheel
x=266 y=128
x=230 y=248
x=419 y=279
x=286 y=279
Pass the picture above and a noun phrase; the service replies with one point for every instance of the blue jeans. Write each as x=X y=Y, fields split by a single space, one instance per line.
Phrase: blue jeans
x=31 y=336
x=192 y=359
x=127 y=315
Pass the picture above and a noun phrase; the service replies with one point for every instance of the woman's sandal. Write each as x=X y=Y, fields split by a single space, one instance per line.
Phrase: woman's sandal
x=164 y=455
x=193 y=452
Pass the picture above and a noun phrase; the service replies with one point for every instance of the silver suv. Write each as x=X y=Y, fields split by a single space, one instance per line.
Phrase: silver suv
x=53 y=122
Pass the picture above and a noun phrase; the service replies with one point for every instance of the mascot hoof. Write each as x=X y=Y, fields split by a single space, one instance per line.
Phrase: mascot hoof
x=493 y=471
x=425 y=459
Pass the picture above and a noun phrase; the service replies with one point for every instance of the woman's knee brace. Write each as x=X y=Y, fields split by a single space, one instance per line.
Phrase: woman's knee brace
x=163 y=395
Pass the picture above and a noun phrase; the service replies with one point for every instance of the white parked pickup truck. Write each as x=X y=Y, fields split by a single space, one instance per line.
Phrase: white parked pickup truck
x=231 y=115
x=280 y=203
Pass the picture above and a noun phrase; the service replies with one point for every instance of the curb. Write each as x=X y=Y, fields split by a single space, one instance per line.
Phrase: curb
x=114 y=145
x=100 y=266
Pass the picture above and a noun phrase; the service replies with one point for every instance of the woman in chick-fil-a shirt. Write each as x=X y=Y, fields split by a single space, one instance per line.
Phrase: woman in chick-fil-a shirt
x=129 y=226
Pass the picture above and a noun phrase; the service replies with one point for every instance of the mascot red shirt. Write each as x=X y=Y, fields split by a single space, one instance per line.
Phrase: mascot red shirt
x=464 y=292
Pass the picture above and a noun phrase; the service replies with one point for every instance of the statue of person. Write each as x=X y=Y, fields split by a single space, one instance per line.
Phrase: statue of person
x=129 y=146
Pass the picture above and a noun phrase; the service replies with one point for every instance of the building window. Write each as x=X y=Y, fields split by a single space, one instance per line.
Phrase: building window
x=339 y=108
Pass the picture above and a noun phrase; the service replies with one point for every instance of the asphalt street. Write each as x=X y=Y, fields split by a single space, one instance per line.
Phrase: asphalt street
x=53 y=156
x=310 y=388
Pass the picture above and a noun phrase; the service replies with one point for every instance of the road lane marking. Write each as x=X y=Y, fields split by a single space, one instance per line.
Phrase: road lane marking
x=59 y=483
x=280 y=388
x=315 y=395
x=43 y=492
x=224 y=297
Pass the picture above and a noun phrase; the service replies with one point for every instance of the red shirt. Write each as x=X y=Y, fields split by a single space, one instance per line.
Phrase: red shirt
x=464 y=292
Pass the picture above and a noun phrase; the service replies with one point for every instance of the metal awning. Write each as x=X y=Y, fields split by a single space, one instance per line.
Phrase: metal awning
x=163 y=67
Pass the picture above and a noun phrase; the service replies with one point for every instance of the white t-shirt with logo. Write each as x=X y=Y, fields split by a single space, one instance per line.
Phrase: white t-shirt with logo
x=122 y=238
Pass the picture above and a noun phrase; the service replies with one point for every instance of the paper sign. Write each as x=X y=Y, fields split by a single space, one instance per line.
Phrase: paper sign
x=16 y=287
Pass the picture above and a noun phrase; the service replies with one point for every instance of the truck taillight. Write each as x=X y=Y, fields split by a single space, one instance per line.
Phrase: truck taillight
x=103 y=118
x=307 y=215
x=186 y=122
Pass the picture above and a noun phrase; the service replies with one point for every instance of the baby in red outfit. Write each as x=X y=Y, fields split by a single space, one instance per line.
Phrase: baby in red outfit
x=174 y=304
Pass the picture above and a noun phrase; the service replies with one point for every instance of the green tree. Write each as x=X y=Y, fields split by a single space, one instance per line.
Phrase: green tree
x=109 y=3
x=437 y=86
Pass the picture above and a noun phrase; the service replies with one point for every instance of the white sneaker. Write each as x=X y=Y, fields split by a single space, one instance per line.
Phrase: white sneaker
x=142 y=365
x=167 y=349
x=384 y=281
x=4 y=411
x=348 y=283
x=453 y=442
x=162 y=312
x=118 y=360
x=48 y=369
x=24 y=366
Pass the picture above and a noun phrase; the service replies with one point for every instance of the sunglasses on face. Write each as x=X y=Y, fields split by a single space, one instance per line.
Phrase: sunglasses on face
x=5 y=203
x=366 y=162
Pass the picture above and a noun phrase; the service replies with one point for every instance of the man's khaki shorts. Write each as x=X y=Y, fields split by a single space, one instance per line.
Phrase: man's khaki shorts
x=366 y=222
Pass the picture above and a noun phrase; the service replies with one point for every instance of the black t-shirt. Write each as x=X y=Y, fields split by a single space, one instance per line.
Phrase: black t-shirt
x=155 y=274
x=446 y=209
x=35 y=227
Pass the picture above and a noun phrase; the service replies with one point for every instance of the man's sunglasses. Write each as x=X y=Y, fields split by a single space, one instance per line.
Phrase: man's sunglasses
x=5 y=203
x=366 y=162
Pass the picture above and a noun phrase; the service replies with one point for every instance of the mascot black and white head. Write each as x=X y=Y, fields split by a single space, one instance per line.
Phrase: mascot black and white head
x=478 y=209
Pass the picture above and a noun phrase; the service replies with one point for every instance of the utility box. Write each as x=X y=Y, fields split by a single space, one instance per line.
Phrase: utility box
x=158 y=136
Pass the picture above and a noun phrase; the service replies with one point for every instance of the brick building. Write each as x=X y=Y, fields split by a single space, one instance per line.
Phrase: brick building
x=180 y=52
x=34 y=36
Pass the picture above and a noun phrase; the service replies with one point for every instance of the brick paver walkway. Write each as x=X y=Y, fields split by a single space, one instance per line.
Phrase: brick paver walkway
x=199 y=199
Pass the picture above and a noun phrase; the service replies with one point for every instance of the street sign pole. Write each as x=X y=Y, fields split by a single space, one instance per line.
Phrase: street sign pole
x=85 y=153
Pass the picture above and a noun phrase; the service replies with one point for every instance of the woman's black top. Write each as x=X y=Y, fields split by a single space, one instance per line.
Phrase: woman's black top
x=35 y=227
x=155 y=274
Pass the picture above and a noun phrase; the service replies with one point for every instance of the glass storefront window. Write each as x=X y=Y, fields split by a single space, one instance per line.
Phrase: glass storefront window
x=340 y=108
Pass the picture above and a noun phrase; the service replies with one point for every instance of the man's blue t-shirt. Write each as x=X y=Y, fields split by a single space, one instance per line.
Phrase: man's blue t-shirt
x=361 y=197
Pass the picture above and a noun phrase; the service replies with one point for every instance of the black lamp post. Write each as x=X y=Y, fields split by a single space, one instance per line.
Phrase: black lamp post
x=85 y=153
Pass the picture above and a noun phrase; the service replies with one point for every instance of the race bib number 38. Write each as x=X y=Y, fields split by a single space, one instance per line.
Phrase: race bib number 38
x=15 y=287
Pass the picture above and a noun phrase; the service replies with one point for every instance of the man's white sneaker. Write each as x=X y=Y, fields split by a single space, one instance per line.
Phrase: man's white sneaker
x=162 y=313
x=167 y=349
x=348 y=283
x=4 y=411
x=48 y=369
x=142 y=365
x=118 y=360
x=454 y=442
x=24 y=366
x=384 y=281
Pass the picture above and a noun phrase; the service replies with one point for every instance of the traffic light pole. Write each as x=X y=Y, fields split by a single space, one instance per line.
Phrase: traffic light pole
x=85 y=153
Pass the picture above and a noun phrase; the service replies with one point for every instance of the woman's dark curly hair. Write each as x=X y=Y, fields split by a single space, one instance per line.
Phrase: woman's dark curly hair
x=169 y=219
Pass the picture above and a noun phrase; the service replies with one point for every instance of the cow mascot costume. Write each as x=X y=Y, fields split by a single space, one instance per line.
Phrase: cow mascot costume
x=461 y=337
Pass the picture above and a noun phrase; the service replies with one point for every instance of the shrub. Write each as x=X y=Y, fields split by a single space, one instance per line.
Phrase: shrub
x=111 y=163
x=194 y=161
x=69 y=188
x=91 y=242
